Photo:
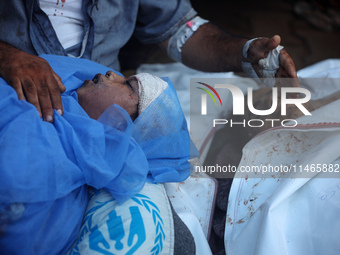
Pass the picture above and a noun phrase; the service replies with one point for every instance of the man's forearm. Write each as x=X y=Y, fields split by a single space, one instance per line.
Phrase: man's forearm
x=211 y=49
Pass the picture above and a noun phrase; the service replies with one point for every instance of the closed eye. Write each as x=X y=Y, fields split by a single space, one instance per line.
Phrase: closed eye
x=132 y=82
x=126 y=82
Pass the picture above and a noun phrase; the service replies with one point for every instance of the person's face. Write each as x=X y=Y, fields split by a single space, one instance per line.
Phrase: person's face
x=96 y=95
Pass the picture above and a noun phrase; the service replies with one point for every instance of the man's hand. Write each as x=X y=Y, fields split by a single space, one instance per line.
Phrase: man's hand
x=33 y=79
x=260 y=48
x=210 y=49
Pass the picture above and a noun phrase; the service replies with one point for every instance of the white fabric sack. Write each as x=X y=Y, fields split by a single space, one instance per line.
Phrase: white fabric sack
x=290 y=215
x=193 y=200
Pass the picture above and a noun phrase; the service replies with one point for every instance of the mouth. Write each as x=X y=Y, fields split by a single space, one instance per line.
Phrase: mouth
x=94 y=81
x=96 y=78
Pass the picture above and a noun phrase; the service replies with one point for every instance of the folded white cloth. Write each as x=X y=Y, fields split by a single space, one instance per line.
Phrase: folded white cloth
x=268 y=65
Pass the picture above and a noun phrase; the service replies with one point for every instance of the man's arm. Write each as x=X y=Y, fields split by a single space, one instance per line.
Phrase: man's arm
x=33 y=79
x=211 y=49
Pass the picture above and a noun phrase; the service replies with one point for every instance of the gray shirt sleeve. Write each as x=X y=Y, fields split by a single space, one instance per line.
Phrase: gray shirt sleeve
x=158 y=20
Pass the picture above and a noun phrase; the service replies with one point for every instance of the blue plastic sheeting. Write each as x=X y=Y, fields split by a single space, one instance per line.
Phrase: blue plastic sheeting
x=45 y=168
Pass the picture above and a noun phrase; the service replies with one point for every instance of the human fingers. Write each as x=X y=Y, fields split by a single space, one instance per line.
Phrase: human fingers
x=287 y=63
x=62 y=87
x=45 y=102
x=54 y=88
x=42 y=89
x=49 y=96
x=30 y=93
x=33 y=79
x=287 y=70
x=48 y=86
x=260 y=48
x=15 y=83
x=268 y=44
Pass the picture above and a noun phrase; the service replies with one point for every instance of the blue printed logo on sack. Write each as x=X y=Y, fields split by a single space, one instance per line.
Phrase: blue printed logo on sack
x=107 y=231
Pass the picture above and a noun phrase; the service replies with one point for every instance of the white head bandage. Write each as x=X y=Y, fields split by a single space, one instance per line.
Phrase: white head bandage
x=150 y=87
x=268 y=65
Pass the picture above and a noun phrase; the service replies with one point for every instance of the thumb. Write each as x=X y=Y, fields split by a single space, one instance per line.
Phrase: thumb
x=271 y=43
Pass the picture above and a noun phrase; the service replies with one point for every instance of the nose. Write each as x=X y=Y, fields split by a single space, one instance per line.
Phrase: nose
x=113 y=76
